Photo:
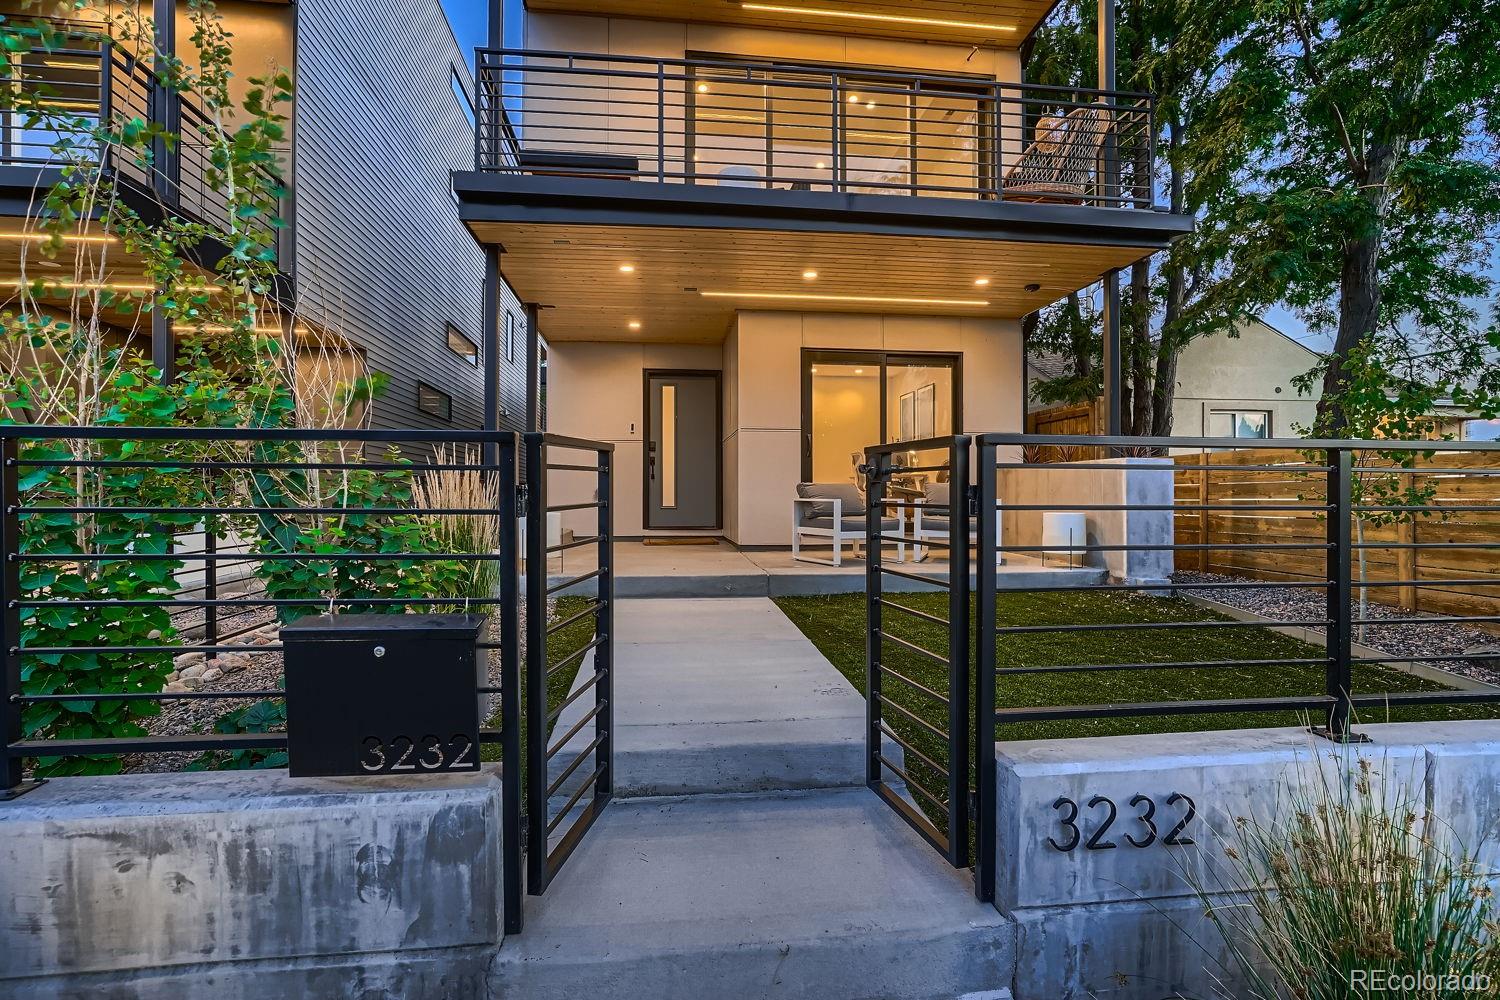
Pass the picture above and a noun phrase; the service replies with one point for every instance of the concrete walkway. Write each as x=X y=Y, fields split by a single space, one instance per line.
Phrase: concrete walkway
x=724 y=695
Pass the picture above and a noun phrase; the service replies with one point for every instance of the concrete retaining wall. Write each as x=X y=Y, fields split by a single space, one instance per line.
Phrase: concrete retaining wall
x=251 y=885
x=1124 y=922
x=1136 y=482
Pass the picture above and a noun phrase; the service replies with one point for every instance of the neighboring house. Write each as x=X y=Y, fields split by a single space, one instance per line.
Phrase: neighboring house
x=374 y=255
x=763 y=237
x=1227 y=387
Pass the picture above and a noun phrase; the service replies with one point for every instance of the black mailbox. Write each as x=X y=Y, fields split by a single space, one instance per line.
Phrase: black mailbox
x=383 y=694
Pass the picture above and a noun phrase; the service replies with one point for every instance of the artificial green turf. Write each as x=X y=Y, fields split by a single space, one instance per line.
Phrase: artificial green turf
x=560 y=645
x=836 y=625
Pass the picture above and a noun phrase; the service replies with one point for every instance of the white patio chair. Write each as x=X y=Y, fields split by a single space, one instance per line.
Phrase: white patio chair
x=834 y=513
x=935 y=526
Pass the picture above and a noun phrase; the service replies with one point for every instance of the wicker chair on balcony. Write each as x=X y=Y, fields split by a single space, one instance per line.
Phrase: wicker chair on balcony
x=1060 y=163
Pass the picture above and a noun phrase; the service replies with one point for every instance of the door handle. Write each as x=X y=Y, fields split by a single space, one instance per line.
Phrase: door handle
x=651 y=468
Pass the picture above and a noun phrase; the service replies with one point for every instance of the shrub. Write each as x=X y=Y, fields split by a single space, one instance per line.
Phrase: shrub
x=1351 y=877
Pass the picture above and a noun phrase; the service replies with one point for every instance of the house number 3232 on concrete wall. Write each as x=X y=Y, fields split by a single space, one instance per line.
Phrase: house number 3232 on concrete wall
x=1140 y=828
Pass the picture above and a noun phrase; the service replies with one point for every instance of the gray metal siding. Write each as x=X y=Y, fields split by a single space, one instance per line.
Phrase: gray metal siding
x=381 y=256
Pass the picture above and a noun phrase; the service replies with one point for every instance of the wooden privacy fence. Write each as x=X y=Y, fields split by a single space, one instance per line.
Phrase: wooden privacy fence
x=1441 y=576
x=1083 y=420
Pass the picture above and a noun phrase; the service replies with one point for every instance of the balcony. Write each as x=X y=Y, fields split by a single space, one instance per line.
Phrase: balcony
x=92 y=79
x=725 y=123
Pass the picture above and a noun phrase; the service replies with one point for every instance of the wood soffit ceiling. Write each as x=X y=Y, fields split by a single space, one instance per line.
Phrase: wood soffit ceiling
x=575 y=272
x=970 y=22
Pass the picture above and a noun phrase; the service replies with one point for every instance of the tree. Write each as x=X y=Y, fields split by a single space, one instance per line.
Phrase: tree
x=1165 y=302
x=1353 y=143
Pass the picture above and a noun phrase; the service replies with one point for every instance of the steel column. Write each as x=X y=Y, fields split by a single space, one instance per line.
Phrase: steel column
x=1340 y=633
x=604 y=628
x=533 y=369
x=1114 y=421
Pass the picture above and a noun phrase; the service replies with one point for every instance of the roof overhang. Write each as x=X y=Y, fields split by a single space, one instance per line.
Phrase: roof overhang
x=696 y=256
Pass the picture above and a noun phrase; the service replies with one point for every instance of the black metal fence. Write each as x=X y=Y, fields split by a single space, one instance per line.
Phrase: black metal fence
x=585 y=783
x=800 y=126
x=933 y=782
x=1059 y=601
x=112 y=611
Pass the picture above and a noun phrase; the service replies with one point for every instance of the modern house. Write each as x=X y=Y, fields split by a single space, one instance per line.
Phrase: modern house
x=757 y=237
x=374 y=255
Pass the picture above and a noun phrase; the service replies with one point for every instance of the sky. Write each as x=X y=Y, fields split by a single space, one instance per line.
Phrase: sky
x=470 y=20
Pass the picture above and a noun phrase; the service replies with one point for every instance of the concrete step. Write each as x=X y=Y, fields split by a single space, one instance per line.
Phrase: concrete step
x=819 y=895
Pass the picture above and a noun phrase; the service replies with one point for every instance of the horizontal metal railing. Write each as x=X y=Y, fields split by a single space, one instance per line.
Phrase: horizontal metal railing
x=796 y=126
x=1337 y=494
x=55 y=95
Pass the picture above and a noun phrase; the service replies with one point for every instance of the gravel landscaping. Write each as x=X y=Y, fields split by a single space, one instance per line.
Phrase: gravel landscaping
x=1411 y=640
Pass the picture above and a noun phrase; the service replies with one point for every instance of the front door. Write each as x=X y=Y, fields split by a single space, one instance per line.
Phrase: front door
x=682 y=450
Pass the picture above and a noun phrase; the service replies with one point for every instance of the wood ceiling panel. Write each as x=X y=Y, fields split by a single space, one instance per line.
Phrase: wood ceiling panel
x=974 y=22
x=575 y=272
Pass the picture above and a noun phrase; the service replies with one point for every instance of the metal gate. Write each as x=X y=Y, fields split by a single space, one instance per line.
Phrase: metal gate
x=560 y=805
x=944 y=784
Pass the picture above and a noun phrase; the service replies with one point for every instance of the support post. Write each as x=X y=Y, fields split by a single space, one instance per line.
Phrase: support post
x=1113 y=414
x=489 y=351
x=533 y=369
x=510 y=685
x=165 y=106
x=1340 y=636
x=604 y=627
x=163 y=350
x=1108 y=186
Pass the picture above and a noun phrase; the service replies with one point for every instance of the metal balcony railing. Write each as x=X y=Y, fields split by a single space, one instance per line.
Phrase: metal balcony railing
x=54 y=96
x=795 y=126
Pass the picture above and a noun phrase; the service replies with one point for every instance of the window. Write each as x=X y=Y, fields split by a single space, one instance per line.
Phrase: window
x=465 y=105
x=853 y=399
x=1482 y=430
x=434 y=402
x=1239 y=423
x=461 y=344
x=510 y=337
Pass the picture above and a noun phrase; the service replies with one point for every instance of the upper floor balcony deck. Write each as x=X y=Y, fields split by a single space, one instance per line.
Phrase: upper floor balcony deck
x=729 y=123
x=62 y=88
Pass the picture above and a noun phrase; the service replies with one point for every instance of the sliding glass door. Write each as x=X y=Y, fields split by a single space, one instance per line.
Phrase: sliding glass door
x=853 y=399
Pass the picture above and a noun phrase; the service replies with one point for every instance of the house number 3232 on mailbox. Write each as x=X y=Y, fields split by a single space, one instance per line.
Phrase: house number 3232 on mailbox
x=383 y=694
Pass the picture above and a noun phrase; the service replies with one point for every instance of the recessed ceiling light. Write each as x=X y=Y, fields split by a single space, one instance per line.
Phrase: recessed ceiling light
x=810 y=275
x=859 y=371
x=869 y=104
x=981 y=282
x=885 y=18
x=627 y=268
x=853 y=98
x=875 y=299
x=820 y=165
x=635 y=324
x=702 y=88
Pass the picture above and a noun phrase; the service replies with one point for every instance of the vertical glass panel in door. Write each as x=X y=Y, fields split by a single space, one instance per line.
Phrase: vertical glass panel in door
x=845 y=418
